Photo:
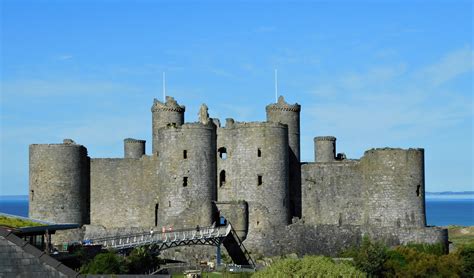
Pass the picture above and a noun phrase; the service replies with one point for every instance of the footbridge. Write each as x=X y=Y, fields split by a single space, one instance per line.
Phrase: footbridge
x=214 y=236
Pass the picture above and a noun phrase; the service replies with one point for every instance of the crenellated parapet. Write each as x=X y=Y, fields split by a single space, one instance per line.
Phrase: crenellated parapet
x=163 y=114
x=282 y=105
x=169 y=105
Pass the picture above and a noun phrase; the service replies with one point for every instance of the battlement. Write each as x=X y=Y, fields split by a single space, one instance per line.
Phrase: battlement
x=282 y=105
x=194 y=125
x=325 y=138
x=170 y=105
x=387 y=149
x=231 y=124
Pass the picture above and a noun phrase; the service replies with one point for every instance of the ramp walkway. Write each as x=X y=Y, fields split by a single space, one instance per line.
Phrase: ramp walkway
x=159 y=241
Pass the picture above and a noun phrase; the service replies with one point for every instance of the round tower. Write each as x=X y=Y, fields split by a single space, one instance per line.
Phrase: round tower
x=133 y=148
x=252 y=165
x=324 y=149
x=187 y=173
x=289 y=114
x=163 y=114
x=59 y=183
x=395 y=187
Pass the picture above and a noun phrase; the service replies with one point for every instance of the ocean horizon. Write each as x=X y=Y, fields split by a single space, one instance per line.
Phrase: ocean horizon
x=441 y=209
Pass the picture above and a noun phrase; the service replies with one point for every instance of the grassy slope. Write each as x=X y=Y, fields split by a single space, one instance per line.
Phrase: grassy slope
x=16 y=222
x=461 y=235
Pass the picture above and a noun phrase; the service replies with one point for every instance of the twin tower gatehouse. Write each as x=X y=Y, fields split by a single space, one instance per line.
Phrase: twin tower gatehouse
x=248 y=172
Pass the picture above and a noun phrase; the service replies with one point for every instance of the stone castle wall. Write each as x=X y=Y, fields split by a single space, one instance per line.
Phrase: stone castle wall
x=124 y=192
x=384 y=188
x=333 y=193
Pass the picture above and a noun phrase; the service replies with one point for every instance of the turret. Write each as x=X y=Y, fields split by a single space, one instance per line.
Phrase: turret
x=59 y=183
x=252 y=165
x=324 y=149
x=289 y=114
x=187 y=173
x=163 y=114
x=133 y=148
x=395 y=187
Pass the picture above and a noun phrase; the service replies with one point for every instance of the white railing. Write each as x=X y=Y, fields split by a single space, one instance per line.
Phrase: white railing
x=127 y=241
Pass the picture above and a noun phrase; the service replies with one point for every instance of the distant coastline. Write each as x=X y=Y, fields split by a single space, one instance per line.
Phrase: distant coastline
x=451 y=193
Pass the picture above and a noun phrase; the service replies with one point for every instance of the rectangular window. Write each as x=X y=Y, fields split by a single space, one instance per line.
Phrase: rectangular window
x=185 y=154
x=260 y=180
x=259 y=152
x=185 y=181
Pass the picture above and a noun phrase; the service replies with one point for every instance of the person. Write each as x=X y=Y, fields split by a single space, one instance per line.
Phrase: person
x=151 y=232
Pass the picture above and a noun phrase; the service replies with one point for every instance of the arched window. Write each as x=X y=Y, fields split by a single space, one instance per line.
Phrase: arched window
x=222 y=178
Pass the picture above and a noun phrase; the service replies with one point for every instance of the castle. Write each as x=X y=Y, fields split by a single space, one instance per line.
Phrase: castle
x=248 y=172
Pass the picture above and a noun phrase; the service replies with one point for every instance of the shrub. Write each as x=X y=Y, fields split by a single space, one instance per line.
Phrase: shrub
x=105 y=263
x=140 y=259
x=406 y=261
x=466 y=254
x=435 y=249
x=369 y=257
x=309 y=266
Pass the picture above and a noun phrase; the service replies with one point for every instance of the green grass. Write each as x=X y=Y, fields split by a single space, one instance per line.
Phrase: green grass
x=461 y=235
x=17 y=222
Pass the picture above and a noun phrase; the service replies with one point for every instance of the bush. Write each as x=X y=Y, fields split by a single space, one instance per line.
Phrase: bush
x=309 y=266
x=140 y=259
x=406 y=261
x=466 y=254
x=369 y=257
x=434 y=249
x=105 y=263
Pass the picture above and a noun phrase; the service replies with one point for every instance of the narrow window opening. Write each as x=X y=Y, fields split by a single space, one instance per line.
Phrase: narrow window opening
x=258 y=222
x=418 y=190
x=169 y=203
x=222 y=178
x=185 y=154
x=157 y=153
x=32 y=194
x=259 y=152
x=222 y=153
x=185 y=181
x=260 y=180
x=156 y=215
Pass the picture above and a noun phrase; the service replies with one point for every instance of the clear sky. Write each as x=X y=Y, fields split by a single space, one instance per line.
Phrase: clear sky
x=371 y=73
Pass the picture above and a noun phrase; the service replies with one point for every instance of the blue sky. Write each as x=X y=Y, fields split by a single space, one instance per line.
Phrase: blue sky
x=371 y=73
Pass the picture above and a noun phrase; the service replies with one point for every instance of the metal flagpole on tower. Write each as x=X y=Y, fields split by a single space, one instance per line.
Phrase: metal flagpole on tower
x=276 y=85
x=164 y=87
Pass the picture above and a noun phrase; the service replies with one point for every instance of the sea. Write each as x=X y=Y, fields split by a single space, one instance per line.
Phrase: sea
x=441 y=209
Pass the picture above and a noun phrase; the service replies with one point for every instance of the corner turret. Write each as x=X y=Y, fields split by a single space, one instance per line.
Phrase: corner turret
x=59 y=183
x=289 y=114
x=324 y=149
x=169 y=112
x=133 y=148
